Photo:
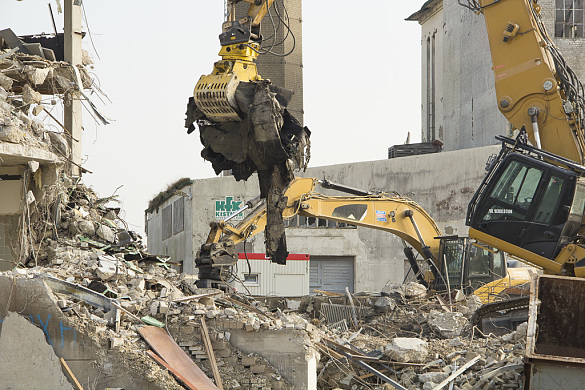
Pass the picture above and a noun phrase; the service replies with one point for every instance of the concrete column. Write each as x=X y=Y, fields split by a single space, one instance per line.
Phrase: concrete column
x=72 y=102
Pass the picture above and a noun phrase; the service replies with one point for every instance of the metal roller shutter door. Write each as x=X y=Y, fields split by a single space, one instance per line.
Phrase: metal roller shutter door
x=331 y=274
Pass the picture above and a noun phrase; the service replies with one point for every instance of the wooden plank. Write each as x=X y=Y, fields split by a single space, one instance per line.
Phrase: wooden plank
x=251 y=308
x=160 y=361
x=210 y=354
x=70 y=373
x=129 y=314
x=175 y=357
x=328 y=293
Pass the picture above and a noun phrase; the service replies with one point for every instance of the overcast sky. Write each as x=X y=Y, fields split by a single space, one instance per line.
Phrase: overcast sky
x=361 y=84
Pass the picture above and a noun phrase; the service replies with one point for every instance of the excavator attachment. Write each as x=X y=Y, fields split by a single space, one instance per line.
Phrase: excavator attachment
x=243 y=121
x=215 y=95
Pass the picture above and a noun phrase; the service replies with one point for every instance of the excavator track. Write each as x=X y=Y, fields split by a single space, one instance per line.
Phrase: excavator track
x=507 y=306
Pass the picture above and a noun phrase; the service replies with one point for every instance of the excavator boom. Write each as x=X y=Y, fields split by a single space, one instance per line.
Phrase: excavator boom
x=535 y=88
x=453 y=262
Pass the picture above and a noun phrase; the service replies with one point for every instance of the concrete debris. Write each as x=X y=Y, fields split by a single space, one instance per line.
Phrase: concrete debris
x=406 y=349
x=109 y=286
x=402 y=291
x=24 y=79
x=59 y=142
x=385 y=304
x=447 y=325
x=11 y=133
x=30 y=96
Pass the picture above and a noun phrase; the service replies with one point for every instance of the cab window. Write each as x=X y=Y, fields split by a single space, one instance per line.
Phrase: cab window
x=513 y=194
x=551 y=198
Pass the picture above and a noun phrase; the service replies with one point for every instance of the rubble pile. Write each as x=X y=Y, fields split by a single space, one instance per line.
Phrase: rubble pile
x=109 y=287
x=25 y=81
x=88 y=247
x=418 y=341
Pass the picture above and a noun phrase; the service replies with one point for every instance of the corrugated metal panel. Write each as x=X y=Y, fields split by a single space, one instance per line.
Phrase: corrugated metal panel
x=267 y=276
x=331 y=274
x=315 y=275
x=333 y=313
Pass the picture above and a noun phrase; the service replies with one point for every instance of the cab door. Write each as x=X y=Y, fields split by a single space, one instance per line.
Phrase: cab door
x=505 y=210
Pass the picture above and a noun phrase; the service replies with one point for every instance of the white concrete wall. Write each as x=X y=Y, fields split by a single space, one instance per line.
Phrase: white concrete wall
x=432 y=27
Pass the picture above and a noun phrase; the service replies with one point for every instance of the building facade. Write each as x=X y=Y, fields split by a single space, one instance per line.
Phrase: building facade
x=459 y=105
x=339 y=256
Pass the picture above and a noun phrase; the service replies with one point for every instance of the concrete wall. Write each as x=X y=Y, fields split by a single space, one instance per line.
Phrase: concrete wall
x=441 y=183
x=287 y=350
x=471 y=116
x=432 y=34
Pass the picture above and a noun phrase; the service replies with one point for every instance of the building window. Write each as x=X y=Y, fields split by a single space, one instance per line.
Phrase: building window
x=569 y=19
x=167 y=222
x=315 y=223
x=179 y=215
x=431 y=69
x=252 y=279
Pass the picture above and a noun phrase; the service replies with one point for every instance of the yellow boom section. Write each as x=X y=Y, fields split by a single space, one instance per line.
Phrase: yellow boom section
x=388 y=212
x=527 y=78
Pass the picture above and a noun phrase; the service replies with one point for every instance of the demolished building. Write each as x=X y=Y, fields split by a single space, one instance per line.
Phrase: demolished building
x=34 y=144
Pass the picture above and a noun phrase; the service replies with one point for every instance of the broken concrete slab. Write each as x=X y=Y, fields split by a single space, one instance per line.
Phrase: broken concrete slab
x=407 y=349
x=448 y=325
x=25 y=350
x=411 y=290
x=287 y=350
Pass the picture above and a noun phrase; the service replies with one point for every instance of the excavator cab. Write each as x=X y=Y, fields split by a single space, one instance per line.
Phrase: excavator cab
x=466 y=265
x=530 y=199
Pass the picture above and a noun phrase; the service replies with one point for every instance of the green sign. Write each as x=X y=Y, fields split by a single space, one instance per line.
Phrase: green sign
x=225 y=208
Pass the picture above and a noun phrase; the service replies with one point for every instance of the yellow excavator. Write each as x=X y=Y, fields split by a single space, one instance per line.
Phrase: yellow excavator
x=531 y=204
x=453 y=262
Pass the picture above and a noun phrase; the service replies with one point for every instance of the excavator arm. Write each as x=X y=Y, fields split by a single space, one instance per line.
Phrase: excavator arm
x=392 y=213
x=530 y=203
x=535 y=87
x=453 y=262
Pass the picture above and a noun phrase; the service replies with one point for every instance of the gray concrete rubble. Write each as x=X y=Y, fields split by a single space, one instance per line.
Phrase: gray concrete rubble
x=448 y=325
x=88 y=286
x=24 y=79
x=407 y=349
